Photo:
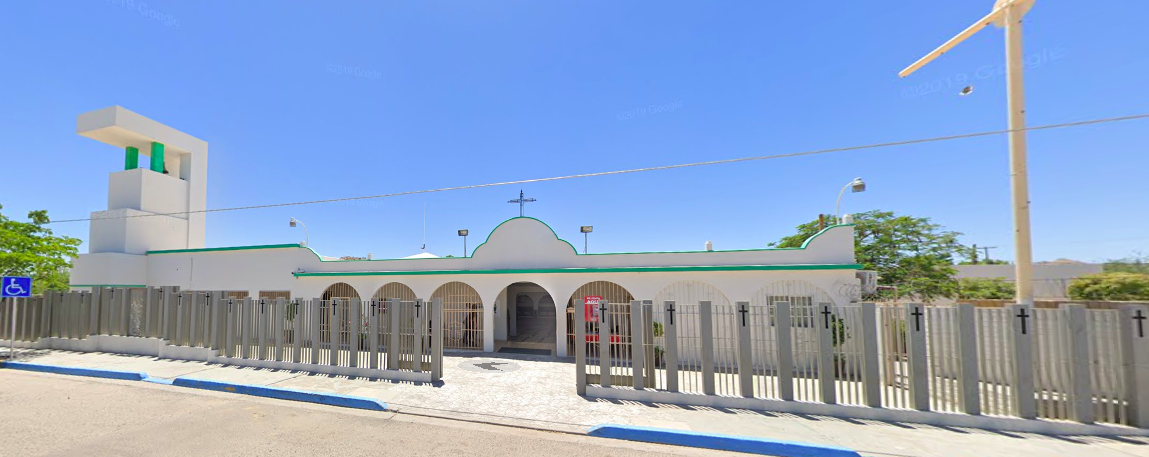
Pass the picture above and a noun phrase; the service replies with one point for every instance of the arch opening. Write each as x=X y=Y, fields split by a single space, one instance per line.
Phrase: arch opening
x=462 y=316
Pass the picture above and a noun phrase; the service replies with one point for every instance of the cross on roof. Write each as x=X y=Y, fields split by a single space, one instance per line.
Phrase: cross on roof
x=522 y=201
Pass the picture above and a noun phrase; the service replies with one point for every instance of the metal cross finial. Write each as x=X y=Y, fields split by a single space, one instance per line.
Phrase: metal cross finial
x=742 y=309
x=1023 y=315
x=522 y=201
x=670 y=309
x=825 y=315
x=1140 y=318
x=917 y=318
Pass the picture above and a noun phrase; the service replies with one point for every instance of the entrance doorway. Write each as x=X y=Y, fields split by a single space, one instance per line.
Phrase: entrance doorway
x=530 y=320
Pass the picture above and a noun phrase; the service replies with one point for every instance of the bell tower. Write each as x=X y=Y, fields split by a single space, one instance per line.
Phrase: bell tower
x=154 y=203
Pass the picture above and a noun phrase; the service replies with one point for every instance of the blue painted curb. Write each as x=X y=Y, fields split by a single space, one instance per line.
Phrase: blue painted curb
x=75 y=371
x=721 y=442
x=345 y=401
x=164 y=381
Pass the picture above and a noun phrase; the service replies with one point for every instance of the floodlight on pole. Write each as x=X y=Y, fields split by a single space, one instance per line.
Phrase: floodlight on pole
x=585 y=230
x=306 y=237
x=463 y=233
x=855 y=186
x=1007 y=14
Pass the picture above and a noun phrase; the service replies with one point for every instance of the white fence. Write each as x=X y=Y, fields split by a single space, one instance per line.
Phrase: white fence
x=955 y=365
x=384 y=338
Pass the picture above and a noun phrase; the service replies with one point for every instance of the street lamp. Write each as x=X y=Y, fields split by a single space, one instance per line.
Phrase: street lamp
x=1007 y=14
x=463 y=233
x=585 y=230
x=306 y=237
x=855 y=186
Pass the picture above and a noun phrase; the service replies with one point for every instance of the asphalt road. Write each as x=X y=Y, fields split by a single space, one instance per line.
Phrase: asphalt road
x=47 y=414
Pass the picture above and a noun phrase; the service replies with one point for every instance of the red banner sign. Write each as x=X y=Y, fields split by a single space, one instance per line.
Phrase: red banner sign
x=592 y=302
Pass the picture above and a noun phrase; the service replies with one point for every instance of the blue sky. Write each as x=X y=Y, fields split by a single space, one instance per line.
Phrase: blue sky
x=312 y=100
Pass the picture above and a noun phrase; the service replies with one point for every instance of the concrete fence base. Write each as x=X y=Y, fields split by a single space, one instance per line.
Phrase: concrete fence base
x=154 y=347
x=866 y=413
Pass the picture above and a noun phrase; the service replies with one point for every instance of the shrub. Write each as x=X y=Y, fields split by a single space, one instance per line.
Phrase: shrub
x=1110 y=286
x=985 y=288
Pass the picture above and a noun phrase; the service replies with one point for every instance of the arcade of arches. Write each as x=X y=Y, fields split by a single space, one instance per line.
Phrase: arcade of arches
x=526 y=317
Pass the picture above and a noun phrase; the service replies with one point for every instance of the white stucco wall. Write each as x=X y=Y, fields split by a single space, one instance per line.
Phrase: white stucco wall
x=519 y=250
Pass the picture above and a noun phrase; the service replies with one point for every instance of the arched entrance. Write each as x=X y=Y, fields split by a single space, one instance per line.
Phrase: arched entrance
x=529 y=321
x=462 y=316
x=615 y=294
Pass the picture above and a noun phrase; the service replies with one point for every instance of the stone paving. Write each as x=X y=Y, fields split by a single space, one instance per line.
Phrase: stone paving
x=539 y=392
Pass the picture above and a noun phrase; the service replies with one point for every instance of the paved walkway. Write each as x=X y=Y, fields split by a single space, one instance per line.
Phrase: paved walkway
x=539 y=392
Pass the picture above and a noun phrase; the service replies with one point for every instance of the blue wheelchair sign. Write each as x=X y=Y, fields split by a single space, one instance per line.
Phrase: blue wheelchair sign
x=16 y=286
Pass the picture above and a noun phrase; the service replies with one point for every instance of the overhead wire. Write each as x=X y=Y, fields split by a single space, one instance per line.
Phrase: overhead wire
x=631 y=170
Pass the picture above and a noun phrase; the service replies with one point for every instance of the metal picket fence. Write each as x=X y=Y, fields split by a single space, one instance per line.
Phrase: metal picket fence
x=1068 y=364
x=383 y=335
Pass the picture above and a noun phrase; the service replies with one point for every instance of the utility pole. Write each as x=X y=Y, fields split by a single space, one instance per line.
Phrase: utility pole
x=1007 y=14
x=986 y=250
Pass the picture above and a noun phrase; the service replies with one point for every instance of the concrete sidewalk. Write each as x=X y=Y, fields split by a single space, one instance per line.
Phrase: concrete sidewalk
x=539 y=392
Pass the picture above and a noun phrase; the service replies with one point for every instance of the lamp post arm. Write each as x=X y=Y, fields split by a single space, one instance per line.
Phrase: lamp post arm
x=838 y=207
x=306 y=237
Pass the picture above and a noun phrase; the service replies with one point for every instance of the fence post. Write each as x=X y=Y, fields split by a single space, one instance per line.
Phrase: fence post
x=871 y=375
x=650 y=364
x=604 y=343
x=316 y=340
x=261 y=319
x=213 y=305
x=706 y=337
x=1081 y=398
x=194 y=324
x=782 y=324
x=179 y=311
x=580 y=345
x=745 y=354
x=333 y=329
x=826 y=372
x=1022 y=337
x=393 y=306
x=166 y=314
x=373 y=336
x=420 y=332
x=968 y=375
x=436 y=339
x=296 y=330
x=229 y=330
x=245 y=318
x=671 y=336
x=636 y=338
x=125 y=321
x=149 y=300
x=278 y=316
x=93 y=313
x=1134 y=336
x=354 y=314
x=916 y=348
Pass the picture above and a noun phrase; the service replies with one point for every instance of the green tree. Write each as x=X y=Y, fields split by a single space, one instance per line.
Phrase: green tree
x=30 y=249
x=1136 y=263
x=909 y=252
x=986 y=288
x=1110 y=286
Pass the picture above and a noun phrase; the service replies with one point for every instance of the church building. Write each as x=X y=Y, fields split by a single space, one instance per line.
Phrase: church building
x=518 y=289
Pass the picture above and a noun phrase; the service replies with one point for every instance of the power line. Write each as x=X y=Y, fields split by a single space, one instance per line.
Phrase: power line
x=637 y=170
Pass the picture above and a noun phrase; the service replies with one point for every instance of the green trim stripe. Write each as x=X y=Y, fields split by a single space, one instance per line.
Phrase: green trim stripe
x=232 y=248
x=321 y=259
x=585 y=270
